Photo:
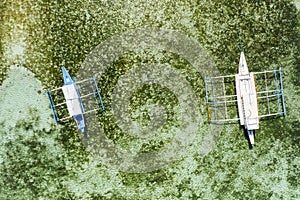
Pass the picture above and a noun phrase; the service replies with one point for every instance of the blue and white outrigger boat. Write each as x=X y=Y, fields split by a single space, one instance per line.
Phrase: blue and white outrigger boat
x=73 y=99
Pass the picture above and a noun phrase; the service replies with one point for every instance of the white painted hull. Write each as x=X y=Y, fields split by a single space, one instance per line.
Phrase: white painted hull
x=246 y=96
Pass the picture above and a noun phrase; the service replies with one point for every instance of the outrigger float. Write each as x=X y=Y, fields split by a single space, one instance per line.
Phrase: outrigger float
x=257 y=95
x=73 y=100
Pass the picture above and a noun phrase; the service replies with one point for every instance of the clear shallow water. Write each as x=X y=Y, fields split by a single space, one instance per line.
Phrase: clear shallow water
x=50 y=162
x=297 y=2
x=20 y=93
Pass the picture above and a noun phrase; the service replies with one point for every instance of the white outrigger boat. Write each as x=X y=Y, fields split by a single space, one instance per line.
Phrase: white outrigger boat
x=73 y=100
x=253 y=101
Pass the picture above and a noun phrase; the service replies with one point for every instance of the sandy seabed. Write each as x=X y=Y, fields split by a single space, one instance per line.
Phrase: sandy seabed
x=21 y=93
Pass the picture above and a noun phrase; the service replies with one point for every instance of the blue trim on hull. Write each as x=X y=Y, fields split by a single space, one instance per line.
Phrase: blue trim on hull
x=67 y=78
x=79 y=119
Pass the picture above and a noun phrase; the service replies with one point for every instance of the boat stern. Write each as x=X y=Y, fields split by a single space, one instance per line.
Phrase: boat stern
x=251 y=136
x=79 y=119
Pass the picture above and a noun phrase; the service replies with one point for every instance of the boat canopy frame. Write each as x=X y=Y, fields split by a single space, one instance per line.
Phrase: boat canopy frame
x=57 y=100
x=222 y=105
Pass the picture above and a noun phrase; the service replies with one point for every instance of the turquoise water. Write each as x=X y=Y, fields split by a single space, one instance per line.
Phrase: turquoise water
x=41 y=160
